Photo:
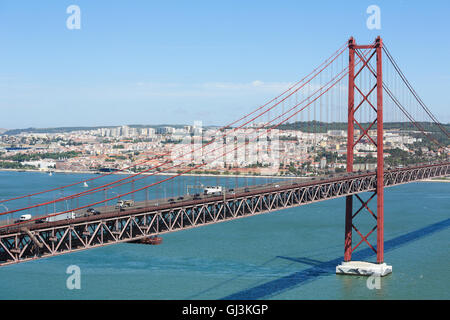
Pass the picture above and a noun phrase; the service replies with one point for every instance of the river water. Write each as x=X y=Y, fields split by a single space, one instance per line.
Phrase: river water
x=289 y=254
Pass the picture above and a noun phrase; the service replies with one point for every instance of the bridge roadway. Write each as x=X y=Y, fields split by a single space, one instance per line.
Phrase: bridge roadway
x=32 y=241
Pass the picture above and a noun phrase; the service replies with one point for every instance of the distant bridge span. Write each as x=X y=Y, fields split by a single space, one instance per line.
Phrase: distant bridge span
x=37 y=241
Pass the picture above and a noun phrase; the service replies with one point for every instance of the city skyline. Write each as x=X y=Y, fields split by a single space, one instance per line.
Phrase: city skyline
x=66 y=129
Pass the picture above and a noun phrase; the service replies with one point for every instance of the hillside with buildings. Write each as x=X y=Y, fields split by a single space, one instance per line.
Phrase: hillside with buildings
x=307 y=148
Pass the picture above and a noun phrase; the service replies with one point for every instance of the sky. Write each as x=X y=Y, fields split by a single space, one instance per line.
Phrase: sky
x=174 y=62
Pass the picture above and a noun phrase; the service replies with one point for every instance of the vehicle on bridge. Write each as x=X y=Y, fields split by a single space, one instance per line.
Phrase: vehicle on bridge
x=59 y=217
x=93 y=211
x=122 y=204
x=24 y=217
x=216 y=190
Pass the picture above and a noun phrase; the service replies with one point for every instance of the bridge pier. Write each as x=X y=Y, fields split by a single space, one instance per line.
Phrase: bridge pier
x=362 y=268
x=151 y=240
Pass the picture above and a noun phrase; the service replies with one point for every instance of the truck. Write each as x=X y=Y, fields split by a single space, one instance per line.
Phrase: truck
x=24 y=217
x=121 y=204
x=64 y=216
x=213 y=190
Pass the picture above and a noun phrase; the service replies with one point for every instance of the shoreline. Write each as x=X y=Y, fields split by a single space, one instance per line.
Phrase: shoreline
x=158 y=174
x=445 y=179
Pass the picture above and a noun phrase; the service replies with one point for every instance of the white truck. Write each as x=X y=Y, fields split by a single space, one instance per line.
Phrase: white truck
x=213 y=190
x=64 y=216
x=25 y=217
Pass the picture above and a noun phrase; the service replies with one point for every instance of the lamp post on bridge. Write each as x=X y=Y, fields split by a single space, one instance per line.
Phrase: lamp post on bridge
x=1 y=204
x=118 y=197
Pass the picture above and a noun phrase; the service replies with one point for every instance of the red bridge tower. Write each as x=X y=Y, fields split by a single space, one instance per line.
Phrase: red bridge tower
x=370 y=51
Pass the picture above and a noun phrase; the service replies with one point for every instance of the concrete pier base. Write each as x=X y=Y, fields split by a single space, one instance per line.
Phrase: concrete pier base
x=361 y=268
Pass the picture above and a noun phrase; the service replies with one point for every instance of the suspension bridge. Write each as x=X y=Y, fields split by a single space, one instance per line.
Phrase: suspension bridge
x=359 y=86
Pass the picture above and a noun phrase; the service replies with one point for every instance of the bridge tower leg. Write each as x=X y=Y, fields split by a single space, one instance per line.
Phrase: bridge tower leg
x=364 y=54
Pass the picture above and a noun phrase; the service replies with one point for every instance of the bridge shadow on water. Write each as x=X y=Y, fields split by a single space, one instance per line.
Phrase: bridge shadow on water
x=320 y=268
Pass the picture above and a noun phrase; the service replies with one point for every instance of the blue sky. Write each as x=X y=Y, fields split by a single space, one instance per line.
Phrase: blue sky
x=153 y=62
